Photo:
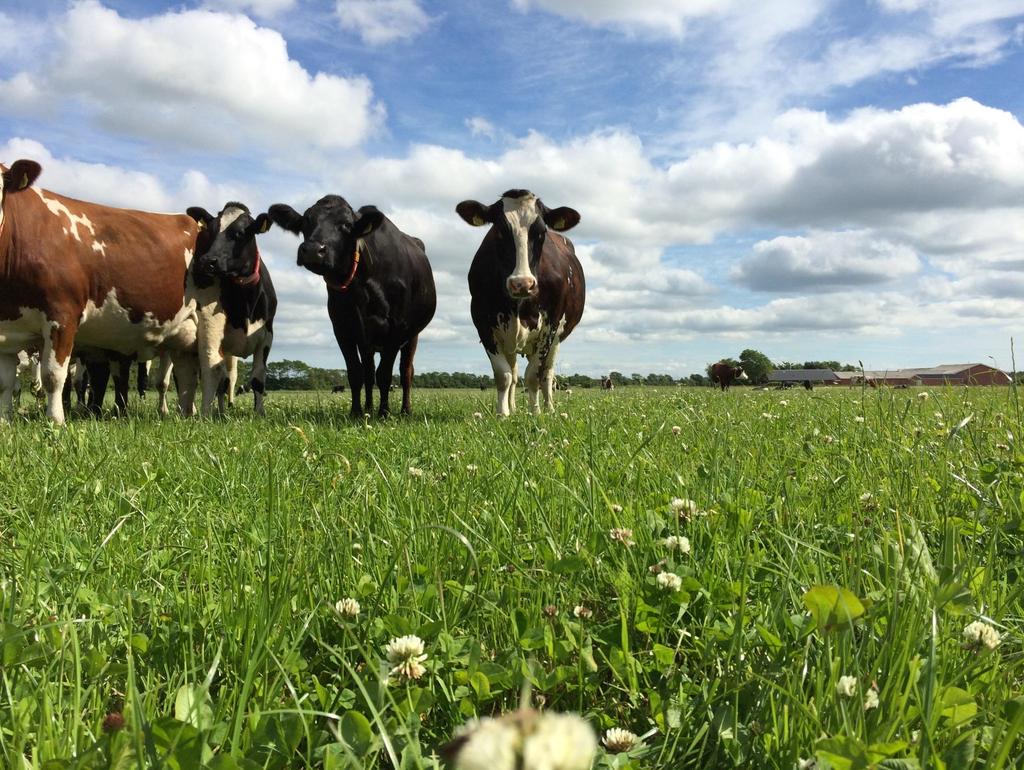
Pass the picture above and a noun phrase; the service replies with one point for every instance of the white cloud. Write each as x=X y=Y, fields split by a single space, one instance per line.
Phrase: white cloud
x=382 y=21
x=825 y=261
x=661 y=17
x=196 y=77
x=116 y=186
x=263 y=8
x=480 y=127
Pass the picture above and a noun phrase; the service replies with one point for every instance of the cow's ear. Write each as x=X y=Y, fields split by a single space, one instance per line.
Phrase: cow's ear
x=285 y=217
x=21 y=175
x=562 y=218
x=262 y=224
x=474 y=213
x=201 y=215
x=369 y=220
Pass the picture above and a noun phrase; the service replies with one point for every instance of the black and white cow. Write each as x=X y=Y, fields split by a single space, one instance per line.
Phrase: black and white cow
x=380 y=290
x=527 y=291
x=237 y=301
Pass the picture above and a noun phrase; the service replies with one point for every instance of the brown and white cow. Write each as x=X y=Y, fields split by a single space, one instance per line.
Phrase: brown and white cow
x=723 y=374
x=527 y=291
x=80 y=274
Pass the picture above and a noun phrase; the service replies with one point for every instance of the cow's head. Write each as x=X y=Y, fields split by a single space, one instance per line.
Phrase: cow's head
x=520 y=222
x=739 y=374
x=330 y=232
x=226 y=246
x=18 y=177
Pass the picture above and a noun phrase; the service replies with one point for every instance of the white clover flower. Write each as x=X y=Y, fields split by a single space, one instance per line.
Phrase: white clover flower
x=621 y=535
x=616 y=508
x=924 y=395
x=847 y=686
x=357 y=547
x=858 y=418
x=526 y=740
x=347 y=608
x=582 y=611
x=768 y=415
x=979 y=634
x=783 y=402
x=871 y=699
x=415 y=472
x=471 y=468
x=828 y=439
x=564 y=415
x=477 y=416
x=683 y=508
x=617 y=740
x=492 y=744
x=677 y=543
x=676 y=430
x=669 y=581
x=807 y=764
x=559 y=742
x=406 y=655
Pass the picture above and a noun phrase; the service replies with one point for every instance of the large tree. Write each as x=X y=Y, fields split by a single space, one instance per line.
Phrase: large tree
x=756 y=364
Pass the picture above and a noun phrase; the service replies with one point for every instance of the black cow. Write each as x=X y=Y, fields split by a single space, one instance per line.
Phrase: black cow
x=237 y=301
x=338 y=389
x=724 y=375
x=380 y=290
x=527 y=290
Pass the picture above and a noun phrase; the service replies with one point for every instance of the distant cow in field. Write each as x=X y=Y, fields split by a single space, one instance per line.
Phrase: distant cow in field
x=78 y=273
x=237 y=301
x=338 y=389
x=723 y=375
x=527 y=290
x=380 y=290
x=607 y=384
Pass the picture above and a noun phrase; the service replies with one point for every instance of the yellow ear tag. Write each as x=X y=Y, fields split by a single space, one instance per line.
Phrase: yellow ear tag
x=478 y=220
x=559 y=225
x=201 y=225
x=24 y=182
x=265 y=227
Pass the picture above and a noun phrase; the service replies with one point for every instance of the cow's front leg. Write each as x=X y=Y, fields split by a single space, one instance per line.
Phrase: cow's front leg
x=55 y=358
x=503 y=379
x=259 y=373
x=163 y=383
x=186 y=370
x=385 y=372
x=8 y=379
x=212 y=362
x=533 y=371
x=547 y=375
x=227 y=383
x=232 y=381
x=369 y=371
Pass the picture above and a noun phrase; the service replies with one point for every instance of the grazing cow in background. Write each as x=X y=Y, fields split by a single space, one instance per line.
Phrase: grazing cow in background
x=724 y=375
x=338 y=389
x=237 y=320
x=527 y=291
x=607 y=384
x=380 y=290
x=78 y=273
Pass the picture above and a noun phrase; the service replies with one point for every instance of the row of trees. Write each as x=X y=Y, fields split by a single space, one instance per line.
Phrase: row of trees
x=297 y=375
x=757 y=365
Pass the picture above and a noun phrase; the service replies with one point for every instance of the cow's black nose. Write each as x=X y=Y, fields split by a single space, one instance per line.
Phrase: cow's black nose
x=312 y=252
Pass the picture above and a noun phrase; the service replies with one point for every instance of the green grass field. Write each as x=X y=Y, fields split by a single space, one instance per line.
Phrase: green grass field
x=168 y=588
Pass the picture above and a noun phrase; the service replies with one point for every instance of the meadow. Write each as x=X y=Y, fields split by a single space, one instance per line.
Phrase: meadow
x=774 y=579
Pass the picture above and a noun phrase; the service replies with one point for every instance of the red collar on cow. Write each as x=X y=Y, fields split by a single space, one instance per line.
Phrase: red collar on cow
x=348 y=281
x=255 y=277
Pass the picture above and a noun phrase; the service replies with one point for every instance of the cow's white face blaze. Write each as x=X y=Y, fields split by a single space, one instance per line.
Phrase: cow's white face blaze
x=521 y=214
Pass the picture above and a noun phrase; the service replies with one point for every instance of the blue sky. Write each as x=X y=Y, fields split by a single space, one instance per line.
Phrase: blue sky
x=811 y=178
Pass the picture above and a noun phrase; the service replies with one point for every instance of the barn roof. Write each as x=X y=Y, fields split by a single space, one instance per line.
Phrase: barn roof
x=948 y=369
x=799 y=375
